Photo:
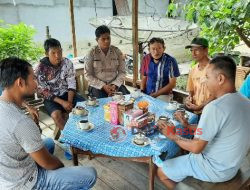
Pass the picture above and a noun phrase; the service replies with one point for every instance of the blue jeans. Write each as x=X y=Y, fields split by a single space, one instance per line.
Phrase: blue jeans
x=49 y=145
x=66 y=178
x=71 y=178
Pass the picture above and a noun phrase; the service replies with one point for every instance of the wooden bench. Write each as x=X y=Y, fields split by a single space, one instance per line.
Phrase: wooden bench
x=240 y=182
x=37 y=102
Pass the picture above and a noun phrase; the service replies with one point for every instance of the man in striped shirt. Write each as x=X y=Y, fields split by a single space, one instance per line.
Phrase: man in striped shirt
x=159 y=71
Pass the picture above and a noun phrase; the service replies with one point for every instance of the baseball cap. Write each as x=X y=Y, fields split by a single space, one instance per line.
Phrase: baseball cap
x=198 y=42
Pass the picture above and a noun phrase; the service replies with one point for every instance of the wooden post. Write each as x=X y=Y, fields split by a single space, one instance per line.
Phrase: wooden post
x=135 y=40
x=151 y=177
x=122 y=7
x=47 y=33
x=72 y=19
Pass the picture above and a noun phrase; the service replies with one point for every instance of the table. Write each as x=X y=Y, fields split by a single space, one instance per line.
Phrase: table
x=97 y=142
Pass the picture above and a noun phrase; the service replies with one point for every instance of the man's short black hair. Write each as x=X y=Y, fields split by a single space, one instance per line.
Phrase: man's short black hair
x=226 y=64
x=156 y=40
x=51 y=43
x=103 y=29
x=11 y=69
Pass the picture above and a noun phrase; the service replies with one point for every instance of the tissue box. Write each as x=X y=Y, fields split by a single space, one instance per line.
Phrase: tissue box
x=139 y=121
x=114 y=113
x=123 y=107
x=129 y=115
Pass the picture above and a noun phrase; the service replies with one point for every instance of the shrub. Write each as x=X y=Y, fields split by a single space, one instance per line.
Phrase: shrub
x=17 y=40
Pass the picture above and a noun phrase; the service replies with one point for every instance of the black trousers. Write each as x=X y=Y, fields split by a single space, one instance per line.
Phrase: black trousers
x=93 y=92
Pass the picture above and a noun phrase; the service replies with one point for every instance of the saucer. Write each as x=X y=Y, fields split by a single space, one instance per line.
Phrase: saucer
x=91 y=127
x=171 y=108
x=82 y=114
x=95 y=105
x=146 y=142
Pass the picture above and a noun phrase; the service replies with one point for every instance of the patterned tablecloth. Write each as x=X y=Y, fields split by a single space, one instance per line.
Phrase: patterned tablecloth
x=98 y=140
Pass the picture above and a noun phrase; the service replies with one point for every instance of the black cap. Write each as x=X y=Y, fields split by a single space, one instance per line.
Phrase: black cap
x=198 y=42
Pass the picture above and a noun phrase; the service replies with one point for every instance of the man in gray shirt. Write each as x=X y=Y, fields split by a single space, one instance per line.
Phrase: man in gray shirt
x=221 y=140
x=24 y=161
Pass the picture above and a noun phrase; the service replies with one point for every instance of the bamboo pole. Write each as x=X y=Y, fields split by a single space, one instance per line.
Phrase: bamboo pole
x=72 y=22
x=135 y=40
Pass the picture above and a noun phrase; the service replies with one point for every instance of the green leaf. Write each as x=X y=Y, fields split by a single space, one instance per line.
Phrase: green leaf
x=17 y=40
x=218 y=20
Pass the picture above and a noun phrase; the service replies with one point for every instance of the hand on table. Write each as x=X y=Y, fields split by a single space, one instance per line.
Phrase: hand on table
x=154 y=95
x=108 y=89
x=166 y=130
x=113 y=87
x=180 y=117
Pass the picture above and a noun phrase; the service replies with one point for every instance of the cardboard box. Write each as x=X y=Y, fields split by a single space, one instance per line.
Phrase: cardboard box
x=129 y=115
x=123 y=107
x=114 y=113
x=140 y=121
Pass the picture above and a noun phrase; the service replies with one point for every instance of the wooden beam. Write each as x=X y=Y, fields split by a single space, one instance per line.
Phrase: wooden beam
x=47 y=33
x=135 y=40
x=122 y=7
x=72 y=22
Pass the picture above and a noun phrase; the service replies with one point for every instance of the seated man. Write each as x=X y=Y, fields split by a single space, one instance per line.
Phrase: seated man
x=32 y=111
x=159 y=71
x=199 y=95
x=24 y=161
x=222 y=138
x=57 y=83
x=245 y=88
x=105 y=67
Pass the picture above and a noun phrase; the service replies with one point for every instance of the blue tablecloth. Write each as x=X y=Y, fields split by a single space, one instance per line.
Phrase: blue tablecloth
x=98 y=140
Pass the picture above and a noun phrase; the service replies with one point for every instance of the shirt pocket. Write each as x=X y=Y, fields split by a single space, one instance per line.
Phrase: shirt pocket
x=97 y=65
x=114 y=64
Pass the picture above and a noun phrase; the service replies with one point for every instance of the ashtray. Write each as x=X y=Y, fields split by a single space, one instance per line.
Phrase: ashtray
x=117 y=134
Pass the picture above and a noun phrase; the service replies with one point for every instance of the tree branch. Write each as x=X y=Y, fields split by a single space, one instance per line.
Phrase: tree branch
x=243 y=37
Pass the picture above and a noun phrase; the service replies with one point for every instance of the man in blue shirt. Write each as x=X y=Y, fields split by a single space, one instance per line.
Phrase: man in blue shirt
x=245 y=88
x=159 y=71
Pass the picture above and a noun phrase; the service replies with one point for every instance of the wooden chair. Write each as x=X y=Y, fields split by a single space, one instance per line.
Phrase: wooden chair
x=37 y=102
x=240 y=75
x=240 y=182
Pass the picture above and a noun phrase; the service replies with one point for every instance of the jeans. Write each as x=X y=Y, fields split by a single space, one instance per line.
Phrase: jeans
x=49 y=145
x=66 y=178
